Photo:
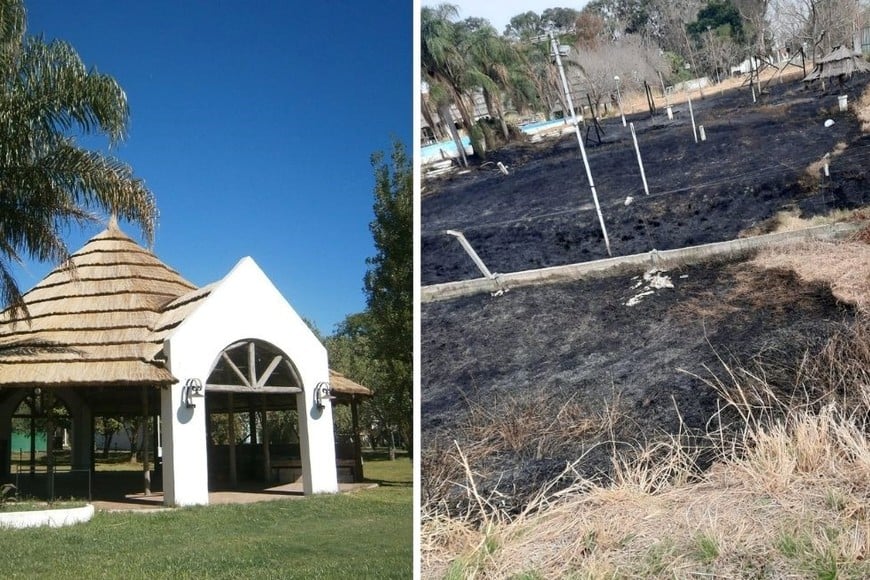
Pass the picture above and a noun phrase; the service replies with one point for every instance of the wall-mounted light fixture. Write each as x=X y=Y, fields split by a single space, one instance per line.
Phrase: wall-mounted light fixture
x=322 y=394
x=192 y=389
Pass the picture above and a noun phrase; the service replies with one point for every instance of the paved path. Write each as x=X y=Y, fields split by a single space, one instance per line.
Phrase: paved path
x=139 y=502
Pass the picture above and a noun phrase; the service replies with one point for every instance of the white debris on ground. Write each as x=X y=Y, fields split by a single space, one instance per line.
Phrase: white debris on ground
x=651 y=281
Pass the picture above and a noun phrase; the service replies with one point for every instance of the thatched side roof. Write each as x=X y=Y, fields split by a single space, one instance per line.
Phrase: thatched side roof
x=841 y=61
x=91 y=322
x=176 y=311
x=341 y=385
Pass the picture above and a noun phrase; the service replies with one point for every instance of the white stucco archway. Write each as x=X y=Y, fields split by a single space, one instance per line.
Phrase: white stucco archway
x=244 y=306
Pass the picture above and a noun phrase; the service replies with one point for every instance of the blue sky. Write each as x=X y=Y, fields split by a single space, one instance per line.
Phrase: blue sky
x=253 y=124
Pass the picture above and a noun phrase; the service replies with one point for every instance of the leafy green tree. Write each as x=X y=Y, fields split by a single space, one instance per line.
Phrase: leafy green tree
x=721 y=16
x=283 y=426
x=107 y=427
x=497 y=68
x=389 y=284
x=625 y=16
x=560 y=19
x=47 y=181
x=351 y=352
x=525 y=26
x=375 y=347
x=220 y=428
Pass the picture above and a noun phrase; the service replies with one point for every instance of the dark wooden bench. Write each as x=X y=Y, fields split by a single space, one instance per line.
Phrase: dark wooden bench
x=345 y=469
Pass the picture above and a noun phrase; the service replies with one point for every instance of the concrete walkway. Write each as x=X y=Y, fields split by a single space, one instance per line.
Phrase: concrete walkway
x=138 y=502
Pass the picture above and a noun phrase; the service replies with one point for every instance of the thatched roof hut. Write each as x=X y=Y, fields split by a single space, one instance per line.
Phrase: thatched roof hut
x=101 y=320
x=842 y=61
x=115 y=331
x=91 y=321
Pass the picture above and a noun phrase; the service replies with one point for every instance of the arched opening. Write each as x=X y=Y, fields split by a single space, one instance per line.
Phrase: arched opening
x=40 y=432
x=40 y=456
x=252 y=422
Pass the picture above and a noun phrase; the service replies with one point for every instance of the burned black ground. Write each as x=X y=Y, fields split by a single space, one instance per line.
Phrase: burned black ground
x=751 y=166
x=485 y=359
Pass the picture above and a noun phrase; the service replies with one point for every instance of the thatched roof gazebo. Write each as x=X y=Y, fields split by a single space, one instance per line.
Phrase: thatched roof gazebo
x=841 y=63
x=117 y=332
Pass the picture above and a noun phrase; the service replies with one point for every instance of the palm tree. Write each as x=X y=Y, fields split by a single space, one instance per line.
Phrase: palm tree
x=538 y=66
x=498 y=70
x=47 y=181
x=445 y=67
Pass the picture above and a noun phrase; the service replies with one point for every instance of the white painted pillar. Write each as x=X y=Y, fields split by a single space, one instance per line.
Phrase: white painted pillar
x=185 y=463
x=316 y=444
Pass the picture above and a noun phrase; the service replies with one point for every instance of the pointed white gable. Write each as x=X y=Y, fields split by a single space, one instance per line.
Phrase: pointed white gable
x=246 y=304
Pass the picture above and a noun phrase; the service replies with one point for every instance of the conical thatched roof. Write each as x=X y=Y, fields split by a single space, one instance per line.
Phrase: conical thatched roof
x=91 y=323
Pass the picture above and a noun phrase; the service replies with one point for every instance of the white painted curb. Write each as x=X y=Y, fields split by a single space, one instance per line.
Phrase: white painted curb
x=637 y=262
x=52 y=518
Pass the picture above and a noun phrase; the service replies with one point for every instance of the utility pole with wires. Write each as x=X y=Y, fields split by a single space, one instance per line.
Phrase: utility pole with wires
x=555 y=48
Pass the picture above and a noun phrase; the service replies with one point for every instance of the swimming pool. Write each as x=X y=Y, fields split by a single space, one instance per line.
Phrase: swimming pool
x=539 y=125
x=432 y=153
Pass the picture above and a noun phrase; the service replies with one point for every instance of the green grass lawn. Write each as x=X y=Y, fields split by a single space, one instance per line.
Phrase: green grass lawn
x=367 y=534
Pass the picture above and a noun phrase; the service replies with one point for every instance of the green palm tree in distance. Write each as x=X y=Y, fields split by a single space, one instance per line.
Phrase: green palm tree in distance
x=47 y=181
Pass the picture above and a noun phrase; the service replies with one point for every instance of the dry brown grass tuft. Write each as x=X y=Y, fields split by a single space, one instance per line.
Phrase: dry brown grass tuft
x=750 y=288
x=793 y=505
x=813 y=172
x=862 y=109
x=843 y=266
x=527 y=424
x=526 y=428
x=787 y=498
x=790 y=220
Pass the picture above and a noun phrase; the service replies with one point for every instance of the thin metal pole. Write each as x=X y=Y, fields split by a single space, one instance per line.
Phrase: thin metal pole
x=619 y=102
x=470 y=251
x=692 y=114
x=639 y=160
x=580 y=140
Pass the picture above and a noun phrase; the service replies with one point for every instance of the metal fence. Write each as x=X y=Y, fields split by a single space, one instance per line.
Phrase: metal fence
x=52 y=483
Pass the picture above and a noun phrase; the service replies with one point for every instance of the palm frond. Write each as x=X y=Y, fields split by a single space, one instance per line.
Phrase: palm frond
x=47 y=182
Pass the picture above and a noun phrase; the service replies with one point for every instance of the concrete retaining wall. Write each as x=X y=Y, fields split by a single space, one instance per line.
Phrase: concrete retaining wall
x=637 y=262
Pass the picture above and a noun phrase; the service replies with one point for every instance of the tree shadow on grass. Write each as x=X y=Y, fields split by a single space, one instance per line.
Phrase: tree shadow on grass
x=389 y=482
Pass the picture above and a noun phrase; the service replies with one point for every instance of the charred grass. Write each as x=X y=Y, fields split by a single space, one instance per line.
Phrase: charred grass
x=786 y=494
x=776 y=484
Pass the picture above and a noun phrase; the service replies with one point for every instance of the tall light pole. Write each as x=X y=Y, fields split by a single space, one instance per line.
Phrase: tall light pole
x=555 y=48
x=619 y=100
